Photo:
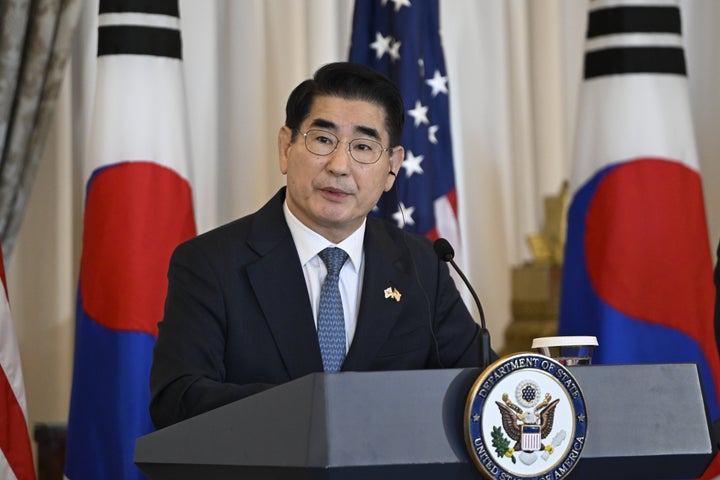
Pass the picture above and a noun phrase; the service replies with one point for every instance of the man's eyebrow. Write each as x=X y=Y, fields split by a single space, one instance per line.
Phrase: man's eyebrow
x=361 y=129
x=368 y=131
x=322 y=123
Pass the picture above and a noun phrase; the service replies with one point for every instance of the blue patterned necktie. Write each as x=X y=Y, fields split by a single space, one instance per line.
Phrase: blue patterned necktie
x=331 y=321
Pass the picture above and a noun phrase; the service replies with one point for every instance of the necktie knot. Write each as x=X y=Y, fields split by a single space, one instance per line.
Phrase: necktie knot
x=334 y=258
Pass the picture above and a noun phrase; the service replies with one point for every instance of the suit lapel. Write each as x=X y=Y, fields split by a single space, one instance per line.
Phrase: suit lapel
x=378 y=313
x=279 y=285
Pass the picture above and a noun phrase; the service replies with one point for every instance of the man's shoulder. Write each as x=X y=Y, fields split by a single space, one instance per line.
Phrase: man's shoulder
x=385 y=231
x=220 y=242
x=236 y=233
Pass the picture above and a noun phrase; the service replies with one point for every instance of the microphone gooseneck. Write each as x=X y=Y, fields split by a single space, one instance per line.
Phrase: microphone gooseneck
x=445 y=252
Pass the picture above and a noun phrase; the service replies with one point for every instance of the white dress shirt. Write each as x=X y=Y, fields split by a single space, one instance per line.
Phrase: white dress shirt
x=308 y=244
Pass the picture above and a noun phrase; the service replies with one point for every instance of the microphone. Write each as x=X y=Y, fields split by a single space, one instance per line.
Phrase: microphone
x=445 y=251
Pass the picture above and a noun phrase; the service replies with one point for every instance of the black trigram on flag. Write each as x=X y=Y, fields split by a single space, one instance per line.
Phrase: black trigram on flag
x=651 y=43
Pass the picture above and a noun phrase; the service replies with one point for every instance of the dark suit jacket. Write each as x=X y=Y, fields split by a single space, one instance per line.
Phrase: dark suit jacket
x=238 y=318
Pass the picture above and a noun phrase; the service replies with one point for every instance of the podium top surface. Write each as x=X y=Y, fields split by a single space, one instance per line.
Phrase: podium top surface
x=324 y=420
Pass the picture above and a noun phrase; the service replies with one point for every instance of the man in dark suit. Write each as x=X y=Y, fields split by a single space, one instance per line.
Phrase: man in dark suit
x=249 y=303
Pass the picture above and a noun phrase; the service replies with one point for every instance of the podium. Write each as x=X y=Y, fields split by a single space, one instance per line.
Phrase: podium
x=644 y=421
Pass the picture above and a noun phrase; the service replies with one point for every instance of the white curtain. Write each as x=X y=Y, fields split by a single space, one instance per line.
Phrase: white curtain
x=514 y=66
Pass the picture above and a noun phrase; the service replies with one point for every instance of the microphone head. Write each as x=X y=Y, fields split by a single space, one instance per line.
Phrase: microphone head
x=444 y=250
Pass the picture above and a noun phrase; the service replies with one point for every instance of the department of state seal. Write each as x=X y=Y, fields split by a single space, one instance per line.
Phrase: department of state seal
x=525 y=418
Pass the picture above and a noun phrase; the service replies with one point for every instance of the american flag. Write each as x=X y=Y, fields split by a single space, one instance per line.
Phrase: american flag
x=402 y=40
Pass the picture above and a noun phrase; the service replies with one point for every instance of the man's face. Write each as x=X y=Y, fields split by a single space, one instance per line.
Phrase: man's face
x=333 y=194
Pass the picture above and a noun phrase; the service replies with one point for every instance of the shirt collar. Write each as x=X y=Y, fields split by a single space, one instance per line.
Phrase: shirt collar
x=308 y=242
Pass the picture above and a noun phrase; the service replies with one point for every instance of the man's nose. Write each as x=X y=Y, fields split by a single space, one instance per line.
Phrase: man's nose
x=340 y=160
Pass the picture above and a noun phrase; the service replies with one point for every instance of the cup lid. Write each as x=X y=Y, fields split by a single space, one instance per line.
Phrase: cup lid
x=564 y=341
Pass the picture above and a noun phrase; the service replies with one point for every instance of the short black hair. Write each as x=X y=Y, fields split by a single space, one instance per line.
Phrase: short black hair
x=350 y=81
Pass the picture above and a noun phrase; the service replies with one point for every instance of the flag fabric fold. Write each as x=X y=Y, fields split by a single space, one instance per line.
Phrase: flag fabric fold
x=401 y=39
x=16 y=460
x=138 y=207
x=638 y=266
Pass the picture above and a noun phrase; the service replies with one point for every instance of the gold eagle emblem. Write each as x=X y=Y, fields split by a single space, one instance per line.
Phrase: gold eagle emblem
x=515 y=421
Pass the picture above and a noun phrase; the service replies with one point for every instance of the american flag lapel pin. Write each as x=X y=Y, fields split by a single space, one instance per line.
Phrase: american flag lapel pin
x=396 y=295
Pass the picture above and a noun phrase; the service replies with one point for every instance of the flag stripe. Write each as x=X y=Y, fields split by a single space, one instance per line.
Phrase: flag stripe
x=16 y=460
x=160 y=7
x=614 y=61
x=139 y=40
x=14 y=439
x=635 y=19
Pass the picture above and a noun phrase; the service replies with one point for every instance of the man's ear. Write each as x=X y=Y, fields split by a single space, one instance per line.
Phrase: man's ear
x=396 y=159
x=284 y=144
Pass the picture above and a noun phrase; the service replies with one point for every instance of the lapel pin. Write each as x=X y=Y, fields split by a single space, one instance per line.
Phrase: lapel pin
x=396 y=294
x=392 y=292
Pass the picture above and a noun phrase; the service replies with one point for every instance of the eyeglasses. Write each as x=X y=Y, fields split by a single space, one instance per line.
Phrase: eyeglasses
x=362 y=150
